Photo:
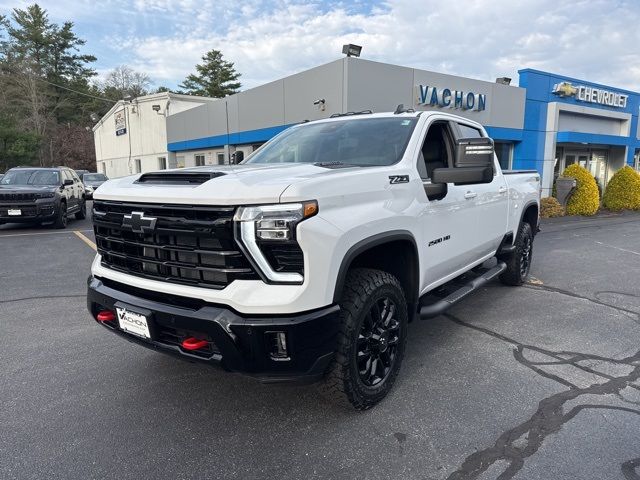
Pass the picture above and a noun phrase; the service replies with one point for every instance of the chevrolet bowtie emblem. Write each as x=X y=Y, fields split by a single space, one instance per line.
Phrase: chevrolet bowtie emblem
x=138 y=223
x=564 y=89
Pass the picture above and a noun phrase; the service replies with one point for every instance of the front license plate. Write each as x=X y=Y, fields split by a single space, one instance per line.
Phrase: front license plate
x=133 y=322
x=14 y=212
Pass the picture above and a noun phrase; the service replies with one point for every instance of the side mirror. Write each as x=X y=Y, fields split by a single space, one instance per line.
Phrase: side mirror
x=474 y=152
x=67 y=181
x=462 y=175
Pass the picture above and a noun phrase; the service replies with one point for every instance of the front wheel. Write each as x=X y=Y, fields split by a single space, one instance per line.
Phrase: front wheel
x=61 y=217
x=82 y=213
x=371 y=340
x=519 y=261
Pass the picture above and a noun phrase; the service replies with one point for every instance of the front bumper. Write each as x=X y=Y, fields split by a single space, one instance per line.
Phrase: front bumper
x=236 y=342
x=30 y=212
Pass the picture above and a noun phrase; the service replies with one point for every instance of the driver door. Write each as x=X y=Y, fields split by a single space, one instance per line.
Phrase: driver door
x=448 y=219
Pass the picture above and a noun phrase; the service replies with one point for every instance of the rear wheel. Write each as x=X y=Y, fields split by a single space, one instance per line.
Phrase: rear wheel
x=61 y=217
x=519 y=261
x=371 y=341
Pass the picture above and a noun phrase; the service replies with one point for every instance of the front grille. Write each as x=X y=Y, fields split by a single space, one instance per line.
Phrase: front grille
x=18 y=197
x=190 y=245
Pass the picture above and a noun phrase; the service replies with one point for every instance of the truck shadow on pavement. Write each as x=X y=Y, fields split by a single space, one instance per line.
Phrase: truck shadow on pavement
x=518 y=443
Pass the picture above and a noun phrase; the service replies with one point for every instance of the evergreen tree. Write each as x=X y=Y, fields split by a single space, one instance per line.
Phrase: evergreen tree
x=215 y=77
x=41 y=71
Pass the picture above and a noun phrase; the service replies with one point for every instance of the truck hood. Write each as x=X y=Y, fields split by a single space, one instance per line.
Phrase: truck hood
x=236 y=184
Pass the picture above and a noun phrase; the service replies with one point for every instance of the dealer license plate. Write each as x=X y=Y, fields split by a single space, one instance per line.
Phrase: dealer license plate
x=133 y=322
x=14 y=212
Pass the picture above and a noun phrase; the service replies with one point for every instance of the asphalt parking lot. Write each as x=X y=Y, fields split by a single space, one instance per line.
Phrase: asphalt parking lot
x=536 y=382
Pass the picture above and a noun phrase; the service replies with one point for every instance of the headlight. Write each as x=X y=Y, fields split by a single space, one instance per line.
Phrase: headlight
x=272 y=224
x=46 y=195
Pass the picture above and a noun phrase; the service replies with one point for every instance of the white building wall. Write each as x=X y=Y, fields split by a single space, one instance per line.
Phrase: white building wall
x=146 y=134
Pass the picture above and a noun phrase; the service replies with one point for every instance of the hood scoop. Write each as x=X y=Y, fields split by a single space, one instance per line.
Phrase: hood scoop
x=177 y=178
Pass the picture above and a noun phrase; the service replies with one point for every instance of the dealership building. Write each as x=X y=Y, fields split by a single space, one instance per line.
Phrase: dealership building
x=546 y=123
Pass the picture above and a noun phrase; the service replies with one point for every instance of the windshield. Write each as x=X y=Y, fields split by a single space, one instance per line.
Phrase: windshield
x=31 y=177
x=364 y=142
x=94 y=177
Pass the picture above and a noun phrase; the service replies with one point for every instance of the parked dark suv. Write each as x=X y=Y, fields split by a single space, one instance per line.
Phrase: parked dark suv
x=41 y=195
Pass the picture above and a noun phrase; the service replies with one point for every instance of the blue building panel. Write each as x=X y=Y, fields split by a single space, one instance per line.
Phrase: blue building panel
x=235 y=138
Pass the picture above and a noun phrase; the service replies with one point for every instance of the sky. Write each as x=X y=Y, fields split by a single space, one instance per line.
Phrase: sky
x=594 y=40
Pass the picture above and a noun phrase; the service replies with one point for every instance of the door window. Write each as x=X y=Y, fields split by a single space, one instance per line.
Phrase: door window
x=199 y=160
x=467 y=131
x=436 y=152
x=220 y=158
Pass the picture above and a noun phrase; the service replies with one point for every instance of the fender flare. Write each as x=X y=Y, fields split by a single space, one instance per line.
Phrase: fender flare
x=524 y=210
x=366 y=244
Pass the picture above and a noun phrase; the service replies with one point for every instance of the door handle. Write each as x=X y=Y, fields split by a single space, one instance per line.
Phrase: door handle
x=502 y=190
x=470 y=195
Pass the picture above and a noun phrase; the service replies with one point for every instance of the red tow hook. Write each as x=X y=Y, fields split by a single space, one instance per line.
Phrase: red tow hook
x=193 y=343
x=106 y=316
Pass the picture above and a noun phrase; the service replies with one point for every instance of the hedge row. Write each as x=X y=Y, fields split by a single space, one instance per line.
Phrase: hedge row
x=622 y=192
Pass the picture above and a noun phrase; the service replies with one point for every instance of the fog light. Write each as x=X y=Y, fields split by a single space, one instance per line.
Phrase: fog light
x=278 y=346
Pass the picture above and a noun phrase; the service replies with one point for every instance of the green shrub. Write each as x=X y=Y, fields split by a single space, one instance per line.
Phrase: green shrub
x=550 y=207
x=586 y=197
x=623 y=190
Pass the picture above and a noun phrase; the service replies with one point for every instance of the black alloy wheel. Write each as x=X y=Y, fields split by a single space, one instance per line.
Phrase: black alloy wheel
x=525 y=257
x=378 y=341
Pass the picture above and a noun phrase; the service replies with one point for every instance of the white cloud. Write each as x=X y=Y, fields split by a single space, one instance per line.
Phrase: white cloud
x=267 y=39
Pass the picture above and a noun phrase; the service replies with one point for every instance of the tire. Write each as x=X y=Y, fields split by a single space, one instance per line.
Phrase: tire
x=369 y=352
x=519 y=261
x=61 y=217
x=82 y=213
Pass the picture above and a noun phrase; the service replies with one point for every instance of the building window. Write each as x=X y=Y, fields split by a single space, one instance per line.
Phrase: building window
x=199 y=160
x=504 y=152
x=636 y=159
x=162 y=163
x=220 y=158
x=180 y=161
x=137 y=165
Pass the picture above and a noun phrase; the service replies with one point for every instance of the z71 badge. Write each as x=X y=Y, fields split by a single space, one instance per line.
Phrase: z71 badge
x=398 y=179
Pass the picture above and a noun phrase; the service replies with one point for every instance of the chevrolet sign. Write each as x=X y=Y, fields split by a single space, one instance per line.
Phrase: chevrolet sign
x=590 y=94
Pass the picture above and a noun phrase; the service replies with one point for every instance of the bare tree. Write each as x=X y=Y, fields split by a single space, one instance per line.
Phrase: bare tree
x=124 y=81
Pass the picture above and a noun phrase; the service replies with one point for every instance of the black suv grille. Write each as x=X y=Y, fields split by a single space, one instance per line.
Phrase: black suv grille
x=190 y=245
x=18 y=197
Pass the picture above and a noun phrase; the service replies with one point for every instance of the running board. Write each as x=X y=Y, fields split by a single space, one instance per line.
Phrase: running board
x=439 y=307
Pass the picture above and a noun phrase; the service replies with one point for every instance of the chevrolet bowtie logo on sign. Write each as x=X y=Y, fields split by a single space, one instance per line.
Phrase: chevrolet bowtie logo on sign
x=565 y=89
x=138 y=223
x=590 y=94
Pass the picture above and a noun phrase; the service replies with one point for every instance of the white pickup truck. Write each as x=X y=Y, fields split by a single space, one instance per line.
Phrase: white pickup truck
x=308 y=260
